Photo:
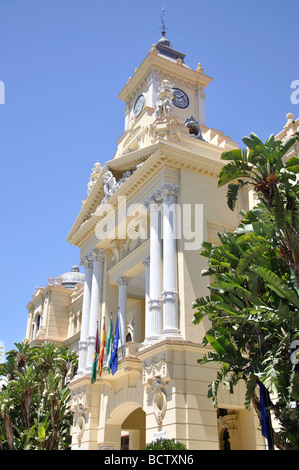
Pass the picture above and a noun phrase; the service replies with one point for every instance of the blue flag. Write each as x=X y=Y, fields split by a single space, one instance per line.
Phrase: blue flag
x=114 y=362
x=267 y=431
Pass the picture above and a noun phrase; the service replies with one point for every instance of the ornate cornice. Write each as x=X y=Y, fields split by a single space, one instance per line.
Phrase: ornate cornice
x=165 y=155
x=155 y=63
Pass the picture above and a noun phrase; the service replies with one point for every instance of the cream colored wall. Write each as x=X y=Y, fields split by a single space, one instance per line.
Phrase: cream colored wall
x=61 y=311
x=114 y=403
x=198 y=189
x=190 y=416
x=35 y=308
x=57 y=325
x=135 y=313
x=110 y=303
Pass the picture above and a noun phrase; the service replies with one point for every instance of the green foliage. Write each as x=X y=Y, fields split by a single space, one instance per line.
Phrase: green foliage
x=165 y=444
x=261 y=167
x=254 y=274
x=34 y=404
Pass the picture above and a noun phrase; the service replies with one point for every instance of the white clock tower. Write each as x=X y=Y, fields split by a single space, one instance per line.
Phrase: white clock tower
x=163 y=79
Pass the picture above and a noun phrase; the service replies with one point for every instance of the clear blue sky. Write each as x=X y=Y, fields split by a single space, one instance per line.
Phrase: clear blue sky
x=63 y=63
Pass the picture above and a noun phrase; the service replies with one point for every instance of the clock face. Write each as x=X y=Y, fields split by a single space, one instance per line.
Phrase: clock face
x=180 y=99
x=138 y=106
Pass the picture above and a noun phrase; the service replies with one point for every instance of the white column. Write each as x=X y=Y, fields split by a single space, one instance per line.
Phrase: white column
x=82 y=349
x=29 y=325
x=35 y=325
x=155 y=289
x=95 y=301
x=123 y=282
x=169 y=194
x=146 y=263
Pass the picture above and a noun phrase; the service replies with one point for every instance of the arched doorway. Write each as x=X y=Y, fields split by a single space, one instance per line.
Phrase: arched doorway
x=126 y=427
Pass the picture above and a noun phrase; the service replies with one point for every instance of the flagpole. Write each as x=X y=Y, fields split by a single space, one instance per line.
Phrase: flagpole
x=95 y=357
x=102 y=347
x=266 y=422
x=120 y=335
x=110 y=343
x=114 y=354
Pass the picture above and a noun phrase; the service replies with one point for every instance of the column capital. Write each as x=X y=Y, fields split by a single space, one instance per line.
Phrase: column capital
x=167 y=190
x=146 y=261
x=171 y=295
x=150 y=201
x=98 y=254
x=86 y=261
x=123 y=281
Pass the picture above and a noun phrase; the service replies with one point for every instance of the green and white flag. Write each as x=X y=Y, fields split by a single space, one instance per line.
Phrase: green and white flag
x=109 y=344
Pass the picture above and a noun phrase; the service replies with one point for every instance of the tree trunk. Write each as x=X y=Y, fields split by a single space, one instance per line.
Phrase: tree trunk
x=8 y=432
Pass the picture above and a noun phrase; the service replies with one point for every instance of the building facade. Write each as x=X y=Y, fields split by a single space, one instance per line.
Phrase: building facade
x=139 y=232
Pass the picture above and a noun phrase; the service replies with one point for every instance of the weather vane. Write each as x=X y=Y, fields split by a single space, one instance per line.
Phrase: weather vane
x=163 y=22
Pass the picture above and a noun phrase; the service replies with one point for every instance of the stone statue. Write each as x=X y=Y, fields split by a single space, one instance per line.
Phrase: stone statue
x=110 y=185
x=164 y=104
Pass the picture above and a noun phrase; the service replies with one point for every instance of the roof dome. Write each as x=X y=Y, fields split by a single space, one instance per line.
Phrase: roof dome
x=164 y=48
x=164 y=42
x=72 y=278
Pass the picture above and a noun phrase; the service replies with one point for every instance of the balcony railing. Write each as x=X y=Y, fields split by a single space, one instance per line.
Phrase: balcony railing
x=128 y=349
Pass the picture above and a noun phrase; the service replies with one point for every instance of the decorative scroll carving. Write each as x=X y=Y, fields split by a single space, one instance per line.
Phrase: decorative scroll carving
x=86 y=261
x=154 y=369
x=159 y=399
x=122 y=248
x=78 y=406
x=166 y=189
x=155 y=375
x=98 y=254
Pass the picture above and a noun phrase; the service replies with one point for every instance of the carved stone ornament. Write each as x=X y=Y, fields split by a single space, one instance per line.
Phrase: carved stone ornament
x=79 y=422
x=78 y=406
x=156 y=376
x=93 y=177
x=110 y=185
x=156 y=368
x=174 y=129
x=159 y=399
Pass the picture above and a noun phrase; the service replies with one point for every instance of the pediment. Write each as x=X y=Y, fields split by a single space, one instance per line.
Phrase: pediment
x=114 y=174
